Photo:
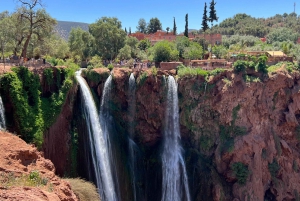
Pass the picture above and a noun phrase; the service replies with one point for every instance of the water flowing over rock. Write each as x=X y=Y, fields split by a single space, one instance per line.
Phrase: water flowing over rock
x=132 y=145
x=2 y=117
x=99 y=155
x=175 y=183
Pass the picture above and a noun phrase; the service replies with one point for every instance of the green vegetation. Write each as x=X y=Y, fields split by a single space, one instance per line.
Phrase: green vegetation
x=84 y=190
x=274 y=168
x=24 y=90
x=142 y=78
x=228 y=133
x=241 y=172
x=95 y=77
x=187 y=71
x=34 y=179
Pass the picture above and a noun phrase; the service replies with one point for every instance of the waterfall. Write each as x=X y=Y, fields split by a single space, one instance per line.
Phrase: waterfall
x=106 y=122
x=174 y=182
x=131 y=143
x=98 y=147
x=2 y=117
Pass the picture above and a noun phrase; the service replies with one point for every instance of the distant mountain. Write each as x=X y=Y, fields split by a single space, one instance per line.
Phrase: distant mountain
x=63 y=28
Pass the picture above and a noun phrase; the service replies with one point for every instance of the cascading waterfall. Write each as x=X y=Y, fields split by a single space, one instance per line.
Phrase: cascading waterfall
x=174 y=182
x=106 y=122
x=131 y=143
x=2 y=117
x=98 y=145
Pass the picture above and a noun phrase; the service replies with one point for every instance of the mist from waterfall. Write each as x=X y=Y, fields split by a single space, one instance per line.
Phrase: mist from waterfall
x=2 y=116
x=174 y=181
x=100 y=155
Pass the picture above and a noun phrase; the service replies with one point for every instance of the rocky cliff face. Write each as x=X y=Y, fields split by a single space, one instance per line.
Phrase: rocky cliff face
x=239 y=132
x=26 y=175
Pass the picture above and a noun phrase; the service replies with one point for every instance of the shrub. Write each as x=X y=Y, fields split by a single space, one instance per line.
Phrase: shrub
x=241 y=172
x=154 y=71
x=110 y=67
x=274 y=168
x=239 y=66
x=185 y=71
x=84 y=190
x=261 y=64
x=95 y=62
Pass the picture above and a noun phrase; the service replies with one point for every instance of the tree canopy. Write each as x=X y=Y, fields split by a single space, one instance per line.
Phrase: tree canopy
x=142 y=26
x=109 y=37
x=154 y=25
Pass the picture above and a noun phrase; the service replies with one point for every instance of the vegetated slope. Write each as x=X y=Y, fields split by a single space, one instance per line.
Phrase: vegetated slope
x=63 y=28
x=244 y=24
x=26 y=175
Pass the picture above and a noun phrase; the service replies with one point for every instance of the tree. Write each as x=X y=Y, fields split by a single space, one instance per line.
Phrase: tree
x=124 y=52
x=212 y=13
x=80 y=44
x=168 y=29
x=125 y=30
x=154 y=25
x=6 y=33
x=165 y=51
x=282 y=34
x=129 y=30
x=132 y=42
x=186 y=30
x=181 y=43
x=144 y=44
x=39 y=22
x=142 y=26
x=109 y=36
x=194 y=51
x=204 y=19
x=174 y=28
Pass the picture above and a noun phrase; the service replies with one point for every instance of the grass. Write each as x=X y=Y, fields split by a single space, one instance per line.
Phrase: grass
x=84 y=190
x=34 y=179
x=250 y=78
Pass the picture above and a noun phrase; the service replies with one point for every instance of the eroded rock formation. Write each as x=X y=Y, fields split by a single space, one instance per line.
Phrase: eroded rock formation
x=18 y=160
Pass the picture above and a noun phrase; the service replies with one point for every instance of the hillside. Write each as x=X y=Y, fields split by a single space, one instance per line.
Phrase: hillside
x=244 y=24
x=63 y=28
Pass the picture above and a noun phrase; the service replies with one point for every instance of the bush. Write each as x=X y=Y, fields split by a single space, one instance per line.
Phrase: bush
x=261 y=64
x=186 y=71
x=241 y=172
x=110 y=67
x=95 y=62
x=165 y=51
x=274 y=168
x=239 y=66
x=84 y=190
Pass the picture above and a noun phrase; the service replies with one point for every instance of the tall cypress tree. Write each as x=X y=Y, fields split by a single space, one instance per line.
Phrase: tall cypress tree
x=125 y=30
x=186 y=30
x=204 y=19
x=174 y=28
x=129 y=30
x=212 y=13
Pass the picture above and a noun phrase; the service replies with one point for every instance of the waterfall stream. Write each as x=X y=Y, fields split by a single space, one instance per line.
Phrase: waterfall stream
x=174 y=182
x=131 y=143
x=98 y=144
x=2 y=117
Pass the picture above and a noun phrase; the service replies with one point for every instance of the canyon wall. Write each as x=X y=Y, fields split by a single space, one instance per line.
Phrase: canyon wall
x=239 y=132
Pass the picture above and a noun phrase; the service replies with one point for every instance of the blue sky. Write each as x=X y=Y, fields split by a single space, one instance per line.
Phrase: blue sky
x=129 y=12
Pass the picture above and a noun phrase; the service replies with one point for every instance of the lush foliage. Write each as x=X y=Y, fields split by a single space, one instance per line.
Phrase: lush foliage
x=109 y=37
x=165 y=51
x=154 y=25
x=187 y=71
x=24 y=90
